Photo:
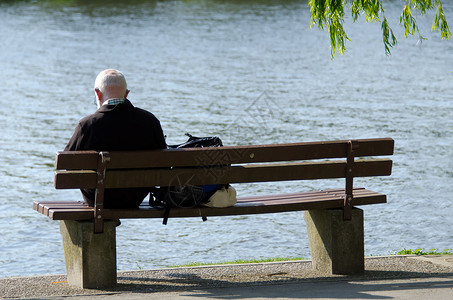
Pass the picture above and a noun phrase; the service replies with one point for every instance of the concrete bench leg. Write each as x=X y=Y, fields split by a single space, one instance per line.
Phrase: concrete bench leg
x=90 y=257
x=336 y=246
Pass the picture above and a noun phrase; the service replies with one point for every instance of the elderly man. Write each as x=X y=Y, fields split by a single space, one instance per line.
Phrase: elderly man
x=116 y=125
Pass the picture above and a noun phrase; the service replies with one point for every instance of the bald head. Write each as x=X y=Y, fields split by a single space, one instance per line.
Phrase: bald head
x=110 y=84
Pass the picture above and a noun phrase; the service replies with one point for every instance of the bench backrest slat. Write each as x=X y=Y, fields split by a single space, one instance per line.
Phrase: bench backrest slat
x=66 y=160
x=226 y=174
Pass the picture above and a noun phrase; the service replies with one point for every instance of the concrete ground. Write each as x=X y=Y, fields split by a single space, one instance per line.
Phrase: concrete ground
x=427 y=288
x=389 y=277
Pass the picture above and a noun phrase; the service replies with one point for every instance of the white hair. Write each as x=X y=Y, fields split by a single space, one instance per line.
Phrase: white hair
x=111 y=81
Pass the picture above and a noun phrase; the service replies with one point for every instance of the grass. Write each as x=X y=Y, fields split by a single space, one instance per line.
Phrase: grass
x=420 y=251
x=239 y=261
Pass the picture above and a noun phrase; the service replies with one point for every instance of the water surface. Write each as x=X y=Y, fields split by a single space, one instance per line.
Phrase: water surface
x=251 y=72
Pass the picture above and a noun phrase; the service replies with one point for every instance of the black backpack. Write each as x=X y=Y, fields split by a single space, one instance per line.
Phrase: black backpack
x=190 y=195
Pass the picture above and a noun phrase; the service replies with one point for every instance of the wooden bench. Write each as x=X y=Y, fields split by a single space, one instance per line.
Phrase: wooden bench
x=334 y=224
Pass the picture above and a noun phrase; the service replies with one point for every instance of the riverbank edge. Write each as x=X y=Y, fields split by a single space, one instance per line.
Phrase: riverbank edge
x=234 y=275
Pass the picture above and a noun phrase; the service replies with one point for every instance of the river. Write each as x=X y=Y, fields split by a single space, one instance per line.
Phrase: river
x=251 y=72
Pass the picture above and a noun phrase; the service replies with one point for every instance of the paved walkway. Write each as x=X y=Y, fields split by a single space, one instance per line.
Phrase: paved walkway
x=426 y=288
x=390 y=277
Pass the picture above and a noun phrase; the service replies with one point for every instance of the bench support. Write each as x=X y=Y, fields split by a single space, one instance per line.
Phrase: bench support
x=90 y=257
x=336 y=245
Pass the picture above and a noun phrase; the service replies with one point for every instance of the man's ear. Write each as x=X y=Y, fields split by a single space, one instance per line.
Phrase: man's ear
x=98 y=93
x=127 y=93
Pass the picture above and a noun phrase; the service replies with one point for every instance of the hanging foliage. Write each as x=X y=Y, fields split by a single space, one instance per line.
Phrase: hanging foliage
x=330 y=14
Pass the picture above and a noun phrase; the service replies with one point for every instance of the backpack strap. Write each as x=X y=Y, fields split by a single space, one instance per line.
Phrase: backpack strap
x=166 y=214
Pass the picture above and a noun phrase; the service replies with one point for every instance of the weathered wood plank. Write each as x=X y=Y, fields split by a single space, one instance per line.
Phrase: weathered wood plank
x=76 y=160
x=71 y=214
x=219 y=175
x=260 y=204
x=75 y=179
x=224 y=155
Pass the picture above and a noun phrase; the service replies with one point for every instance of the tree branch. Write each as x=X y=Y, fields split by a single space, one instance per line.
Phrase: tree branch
x=331 y=12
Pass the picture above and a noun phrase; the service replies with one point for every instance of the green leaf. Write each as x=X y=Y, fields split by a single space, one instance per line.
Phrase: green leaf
x=331 y=14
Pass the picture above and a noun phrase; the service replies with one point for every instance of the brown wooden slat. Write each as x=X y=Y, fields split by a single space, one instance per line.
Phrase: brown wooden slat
x=262 y=204
x=225 y=155
x=288 y=198
x=357 y=191
x=45 y=207
x=69 y=206
x=253 y=208
x=38 y=204
x=293 y=199
x=254 y=173
x=313 y=198
x=76 y=160
x=71 y=214
x=75 y=179
x=298 y=193
x=235 y=174
x=51 y=203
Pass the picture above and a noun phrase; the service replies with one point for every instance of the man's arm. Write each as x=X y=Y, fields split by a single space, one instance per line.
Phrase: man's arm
x=75 y=143
x=159 y=137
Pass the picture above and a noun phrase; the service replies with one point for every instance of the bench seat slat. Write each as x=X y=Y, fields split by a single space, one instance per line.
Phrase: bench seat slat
x=357 y=191
x=217 y=175
x=245 y=198
x=78 y=214
x=44 y=206
x=295 y=199
x=225 y=155
x=248 y=205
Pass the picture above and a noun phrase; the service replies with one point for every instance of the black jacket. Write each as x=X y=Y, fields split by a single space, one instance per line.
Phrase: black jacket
x=115 y=128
